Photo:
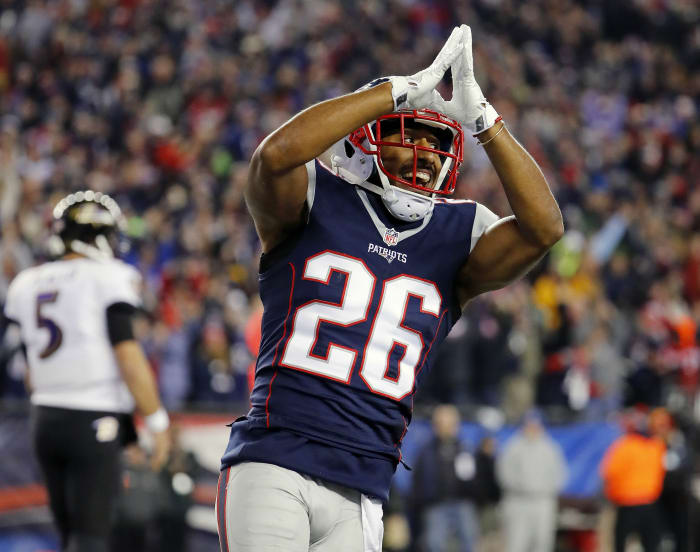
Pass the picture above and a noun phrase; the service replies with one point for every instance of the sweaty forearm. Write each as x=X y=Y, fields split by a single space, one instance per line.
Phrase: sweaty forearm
x=311 y=132
x=529 y=196
x=137 y=376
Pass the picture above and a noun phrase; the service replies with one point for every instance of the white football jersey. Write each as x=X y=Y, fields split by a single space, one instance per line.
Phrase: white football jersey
x=61 y=309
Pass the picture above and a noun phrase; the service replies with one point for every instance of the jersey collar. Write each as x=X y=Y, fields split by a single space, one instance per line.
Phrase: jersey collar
x=381 y=227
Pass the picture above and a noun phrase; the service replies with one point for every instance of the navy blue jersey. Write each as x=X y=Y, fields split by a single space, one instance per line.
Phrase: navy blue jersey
x=355 y=306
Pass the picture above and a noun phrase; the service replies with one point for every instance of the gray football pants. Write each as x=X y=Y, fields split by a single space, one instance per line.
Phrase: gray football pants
x=264 y=508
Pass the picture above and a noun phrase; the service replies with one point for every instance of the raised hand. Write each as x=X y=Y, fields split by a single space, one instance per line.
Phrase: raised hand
x=468 y=104
x=418 y=90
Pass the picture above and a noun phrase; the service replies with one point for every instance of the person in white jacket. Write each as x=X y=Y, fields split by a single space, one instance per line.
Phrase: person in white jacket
x=531 y=471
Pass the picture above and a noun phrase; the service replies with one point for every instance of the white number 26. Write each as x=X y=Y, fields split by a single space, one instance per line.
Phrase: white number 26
x=388 y=331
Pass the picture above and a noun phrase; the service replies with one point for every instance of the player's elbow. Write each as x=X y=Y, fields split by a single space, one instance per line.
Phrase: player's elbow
x=555 y=231
x=265 y=167
x=269 y=157
x=549 y=232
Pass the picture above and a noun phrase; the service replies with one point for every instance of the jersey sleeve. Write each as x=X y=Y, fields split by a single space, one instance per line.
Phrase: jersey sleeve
x=120 y=283
x=483 y=218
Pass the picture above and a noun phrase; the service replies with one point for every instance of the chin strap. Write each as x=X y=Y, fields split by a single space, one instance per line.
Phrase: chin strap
x=356 y=169
x=402 y=204
x=407 y=206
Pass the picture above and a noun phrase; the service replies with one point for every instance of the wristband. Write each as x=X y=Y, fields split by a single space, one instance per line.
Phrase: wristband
x=158 y=421
x=480 y=143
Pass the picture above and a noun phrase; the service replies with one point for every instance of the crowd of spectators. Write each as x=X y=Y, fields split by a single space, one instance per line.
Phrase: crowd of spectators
x=161 y=103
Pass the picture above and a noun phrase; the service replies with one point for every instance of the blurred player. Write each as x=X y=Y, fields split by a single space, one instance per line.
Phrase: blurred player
x=366 y=266
x=86 y=370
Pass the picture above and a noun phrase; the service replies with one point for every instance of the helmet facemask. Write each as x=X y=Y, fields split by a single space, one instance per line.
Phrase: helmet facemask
x=413 y=200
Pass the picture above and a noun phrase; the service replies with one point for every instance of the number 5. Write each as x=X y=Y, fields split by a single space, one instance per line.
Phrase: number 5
x=55 y=333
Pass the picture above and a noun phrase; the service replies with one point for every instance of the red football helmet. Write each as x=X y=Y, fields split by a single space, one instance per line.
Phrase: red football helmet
x=369 y=140
x=357 y=158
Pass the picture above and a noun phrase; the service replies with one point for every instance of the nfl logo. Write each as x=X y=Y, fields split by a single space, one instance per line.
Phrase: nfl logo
x=391 y=237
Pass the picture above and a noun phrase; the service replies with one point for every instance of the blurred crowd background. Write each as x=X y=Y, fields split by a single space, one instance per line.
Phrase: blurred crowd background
x=161 y=103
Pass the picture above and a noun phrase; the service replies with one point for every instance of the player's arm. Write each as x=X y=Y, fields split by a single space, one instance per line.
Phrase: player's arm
x=511 y=246
x=277 y=181
x=138 y=377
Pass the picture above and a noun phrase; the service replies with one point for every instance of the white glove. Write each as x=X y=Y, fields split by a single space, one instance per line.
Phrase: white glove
x=418 y=91
x=468 y=105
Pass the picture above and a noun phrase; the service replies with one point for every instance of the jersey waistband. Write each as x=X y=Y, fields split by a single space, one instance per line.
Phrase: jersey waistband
x=369 y=474
x=277 y=421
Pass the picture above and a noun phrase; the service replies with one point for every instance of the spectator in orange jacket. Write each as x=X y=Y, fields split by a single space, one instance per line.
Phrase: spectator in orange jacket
x=633 y=473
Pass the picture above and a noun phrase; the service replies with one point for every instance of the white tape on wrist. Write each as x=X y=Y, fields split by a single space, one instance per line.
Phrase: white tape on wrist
x=399 y=91
x=158 y=421
x=486 y=120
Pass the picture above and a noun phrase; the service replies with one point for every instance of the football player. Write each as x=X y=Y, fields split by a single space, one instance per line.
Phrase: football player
x=366 y=266
x=86 y=369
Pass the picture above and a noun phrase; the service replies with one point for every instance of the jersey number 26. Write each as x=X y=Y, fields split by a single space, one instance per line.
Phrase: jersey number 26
x=387 y=333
